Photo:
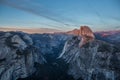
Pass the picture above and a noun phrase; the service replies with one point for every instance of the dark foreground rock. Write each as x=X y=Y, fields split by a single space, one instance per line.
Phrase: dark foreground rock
x=96 y=60
x=17 y=56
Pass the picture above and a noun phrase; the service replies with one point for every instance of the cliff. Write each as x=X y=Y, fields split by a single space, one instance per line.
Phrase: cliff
x=96 y=60
x=17 y=56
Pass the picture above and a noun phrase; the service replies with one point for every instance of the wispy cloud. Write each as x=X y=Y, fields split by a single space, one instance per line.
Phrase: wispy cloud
x=35 y=8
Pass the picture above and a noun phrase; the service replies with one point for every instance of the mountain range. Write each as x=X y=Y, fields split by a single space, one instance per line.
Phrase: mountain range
x=31 y=30
x=58 y=56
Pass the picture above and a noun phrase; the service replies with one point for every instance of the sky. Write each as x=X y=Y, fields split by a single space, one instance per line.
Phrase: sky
x=62 y=15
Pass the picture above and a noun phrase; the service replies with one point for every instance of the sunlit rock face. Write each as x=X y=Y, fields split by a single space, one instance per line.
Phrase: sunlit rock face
x=96 y=60
x=86 y=31
x=17 y=56
x=87 y=35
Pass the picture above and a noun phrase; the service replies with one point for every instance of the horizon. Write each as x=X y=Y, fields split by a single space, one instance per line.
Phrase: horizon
x=45 y=30
x=62 y=16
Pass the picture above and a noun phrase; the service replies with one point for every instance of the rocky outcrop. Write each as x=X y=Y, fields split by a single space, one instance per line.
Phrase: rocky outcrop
x=86 y=35
x=17 y=56
x=108 y=36
x=96 y=60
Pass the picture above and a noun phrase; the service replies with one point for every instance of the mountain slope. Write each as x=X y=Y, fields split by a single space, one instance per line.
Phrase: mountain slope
x=96 y=60
x=17 y=56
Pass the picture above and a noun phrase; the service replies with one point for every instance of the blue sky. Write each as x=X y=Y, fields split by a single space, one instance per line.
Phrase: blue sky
x=60 y=14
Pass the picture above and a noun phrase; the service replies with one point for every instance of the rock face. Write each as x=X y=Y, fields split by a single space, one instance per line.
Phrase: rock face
x=86 y=31
x=17 y=56
x=86 y=34
x=96 y=60
x=112 y=37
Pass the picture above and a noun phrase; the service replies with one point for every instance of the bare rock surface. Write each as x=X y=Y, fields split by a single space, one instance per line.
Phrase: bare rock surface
x=96 y=60
x=17 y=56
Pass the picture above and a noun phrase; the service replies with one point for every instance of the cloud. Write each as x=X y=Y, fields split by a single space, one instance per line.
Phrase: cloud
x=35 y=8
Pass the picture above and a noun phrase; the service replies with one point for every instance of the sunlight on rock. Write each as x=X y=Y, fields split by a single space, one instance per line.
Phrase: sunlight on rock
x=87 y=35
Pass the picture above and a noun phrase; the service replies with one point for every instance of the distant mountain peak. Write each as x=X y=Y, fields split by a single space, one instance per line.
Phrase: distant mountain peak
x=86 y=34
